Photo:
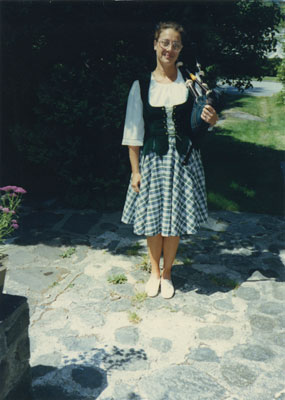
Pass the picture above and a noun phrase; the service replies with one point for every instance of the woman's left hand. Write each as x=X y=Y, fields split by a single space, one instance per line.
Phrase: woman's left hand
x=209 y=115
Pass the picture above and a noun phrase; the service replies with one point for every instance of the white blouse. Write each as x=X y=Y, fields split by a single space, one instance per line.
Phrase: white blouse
x=160 y=94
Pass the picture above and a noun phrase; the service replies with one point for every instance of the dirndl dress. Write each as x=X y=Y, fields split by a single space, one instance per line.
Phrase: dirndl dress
x=172 y=198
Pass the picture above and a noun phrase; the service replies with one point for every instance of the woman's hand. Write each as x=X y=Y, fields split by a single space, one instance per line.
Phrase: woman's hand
x=209 y=115
x=136 y=181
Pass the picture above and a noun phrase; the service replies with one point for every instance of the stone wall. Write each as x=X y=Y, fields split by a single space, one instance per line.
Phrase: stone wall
x=15 y=378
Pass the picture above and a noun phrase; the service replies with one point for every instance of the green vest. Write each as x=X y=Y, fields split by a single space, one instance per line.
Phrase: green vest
x=155 y=123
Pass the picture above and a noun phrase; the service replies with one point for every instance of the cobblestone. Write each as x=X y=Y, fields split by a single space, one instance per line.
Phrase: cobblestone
x=221 y=337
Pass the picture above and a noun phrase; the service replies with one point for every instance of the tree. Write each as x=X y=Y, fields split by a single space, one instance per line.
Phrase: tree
x=67 y=68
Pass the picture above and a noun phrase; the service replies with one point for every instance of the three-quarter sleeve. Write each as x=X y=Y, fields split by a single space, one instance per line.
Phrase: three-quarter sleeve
x=134 y=123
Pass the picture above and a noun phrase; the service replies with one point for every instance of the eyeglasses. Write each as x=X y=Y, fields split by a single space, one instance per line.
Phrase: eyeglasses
x=165 y=43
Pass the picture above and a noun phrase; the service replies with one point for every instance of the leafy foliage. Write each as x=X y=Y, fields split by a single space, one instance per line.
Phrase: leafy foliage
x=68 y=67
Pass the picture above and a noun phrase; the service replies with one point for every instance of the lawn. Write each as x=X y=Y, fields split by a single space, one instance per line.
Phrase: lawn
x=242 y=158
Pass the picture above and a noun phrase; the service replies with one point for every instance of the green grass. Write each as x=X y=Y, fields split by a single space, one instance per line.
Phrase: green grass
x=269 y=133
x=117 y=279
x=134 y=317
x=242 y=158
x=145 y=263
x=270 y=79
x=68 y=253
x=139 y=298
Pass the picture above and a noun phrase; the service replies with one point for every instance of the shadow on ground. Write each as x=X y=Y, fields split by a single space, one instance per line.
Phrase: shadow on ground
x=82 y=380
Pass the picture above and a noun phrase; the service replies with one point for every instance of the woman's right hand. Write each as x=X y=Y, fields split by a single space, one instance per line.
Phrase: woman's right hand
x=136 y=181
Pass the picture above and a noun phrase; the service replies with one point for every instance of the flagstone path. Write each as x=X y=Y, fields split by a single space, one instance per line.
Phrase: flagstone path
x=95 y=335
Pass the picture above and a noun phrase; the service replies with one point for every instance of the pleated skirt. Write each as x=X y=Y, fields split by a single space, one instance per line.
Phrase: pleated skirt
x=172 y=198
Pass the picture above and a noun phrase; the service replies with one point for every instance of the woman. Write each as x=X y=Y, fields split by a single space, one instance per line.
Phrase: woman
x=165 y=199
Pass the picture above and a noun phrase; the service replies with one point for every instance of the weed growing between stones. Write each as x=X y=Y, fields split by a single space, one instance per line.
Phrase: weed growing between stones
x=134 y=318
x=134 y=250
x=139 y=298
x=224 y=282
x=68 y=253
x=215 y=237
x=187 y=261
x=145 y=263
x=117 y=279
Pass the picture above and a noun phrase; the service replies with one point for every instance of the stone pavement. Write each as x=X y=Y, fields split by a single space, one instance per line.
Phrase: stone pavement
x=95 y=335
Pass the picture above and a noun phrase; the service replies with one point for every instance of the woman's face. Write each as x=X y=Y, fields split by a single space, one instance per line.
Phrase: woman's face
x=168 y=46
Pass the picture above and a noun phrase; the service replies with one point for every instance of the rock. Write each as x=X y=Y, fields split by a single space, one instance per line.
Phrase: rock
x=271 y=308
x=80 y=344
x=272 y=262
x=161 y=344
x=281 y=320
x=125 y=392
x=120 y=305
x=224 y=304
x=125 y=289
x=257 y=275
x=49 y=359
x=203 y=354
x=21 y=257
x=217 y=332
x=90 y=315
x=52 y=392
x=179 y=383
x=87 y=377
x=279 y=339
x=274 y=248
x=238 y=374
x=48 y=252
x=262 y=323
x=112 y=245
x=155 y=303
x=40 y=277
x=41 y=370
x=195 y=310
x=247 y=293
x=251 y=352
x=278 y=290
x=128 y=335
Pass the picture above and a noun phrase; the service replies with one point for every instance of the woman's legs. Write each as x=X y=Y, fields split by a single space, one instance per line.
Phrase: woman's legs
x=154 y=244
x=170 y=246
x=157 y=244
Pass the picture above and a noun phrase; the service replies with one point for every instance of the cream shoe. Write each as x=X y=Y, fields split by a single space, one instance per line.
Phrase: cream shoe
x=167 y=288
x=152 y=286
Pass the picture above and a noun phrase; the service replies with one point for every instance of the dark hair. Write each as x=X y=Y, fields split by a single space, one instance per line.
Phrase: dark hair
x=161 y=26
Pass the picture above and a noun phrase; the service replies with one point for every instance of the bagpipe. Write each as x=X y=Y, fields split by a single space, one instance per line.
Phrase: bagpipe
x=202 y=96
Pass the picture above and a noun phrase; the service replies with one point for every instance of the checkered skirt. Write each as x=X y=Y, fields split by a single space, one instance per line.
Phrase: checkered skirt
x=172 y=198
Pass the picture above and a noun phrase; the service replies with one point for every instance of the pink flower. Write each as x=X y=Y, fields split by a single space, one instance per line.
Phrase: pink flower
x=8 y=188
x=14 y=221
x=13 y=212
x=20 y=190
x=5 y=210
x=15 y=226
x=1 y=207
